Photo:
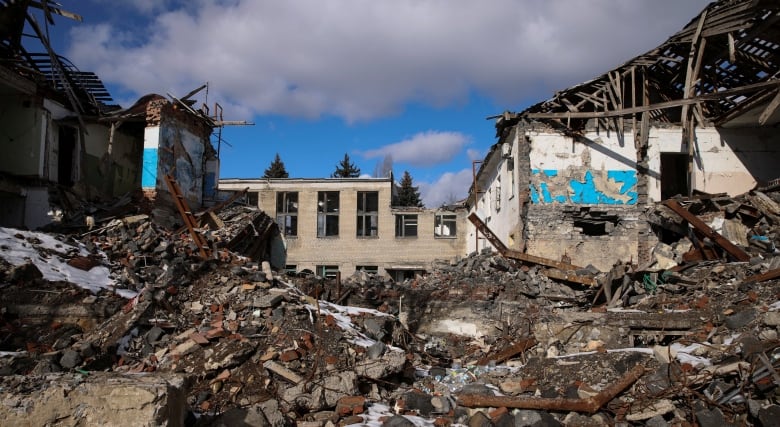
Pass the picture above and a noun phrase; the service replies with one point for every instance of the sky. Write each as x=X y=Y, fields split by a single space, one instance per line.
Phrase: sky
x=411 y=82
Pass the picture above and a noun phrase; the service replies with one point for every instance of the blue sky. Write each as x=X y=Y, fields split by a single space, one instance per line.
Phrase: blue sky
x=412 y=79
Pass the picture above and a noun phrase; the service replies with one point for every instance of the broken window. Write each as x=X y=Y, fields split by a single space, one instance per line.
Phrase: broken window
x=368 y=268
x=367 y=213
x=328 y=271
x=403 y=274
x=327 y=213
x=444 y=225
x=252 y=198
x=287 y=212
x=406 y=225
x=595 y=223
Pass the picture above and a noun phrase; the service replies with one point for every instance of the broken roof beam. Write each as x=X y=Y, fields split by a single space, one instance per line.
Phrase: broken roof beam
x=705 y=229
x=658 y=106
x=566 y=272
x=590 y=405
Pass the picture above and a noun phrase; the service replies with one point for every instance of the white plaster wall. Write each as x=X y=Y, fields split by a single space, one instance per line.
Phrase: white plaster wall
x=551 y=150
x=152 y=137
x=731 y=161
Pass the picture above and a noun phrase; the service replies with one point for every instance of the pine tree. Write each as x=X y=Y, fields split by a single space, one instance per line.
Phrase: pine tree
x=276 y=169
x=408 y=195
x=346 y=169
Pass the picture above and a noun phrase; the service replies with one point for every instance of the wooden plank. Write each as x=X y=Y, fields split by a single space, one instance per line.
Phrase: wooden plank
x=770 y=109
x=569 y=277
x=769 y=275
x=589 y=405
x=705 y=229
x=509 y=352
x=565 y=274
x=509 y=253
x=283 y=372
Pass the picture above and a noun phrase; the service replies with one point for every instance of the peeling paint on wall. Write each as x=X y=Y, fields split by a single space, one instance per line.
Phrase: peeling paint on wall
x=583 y=186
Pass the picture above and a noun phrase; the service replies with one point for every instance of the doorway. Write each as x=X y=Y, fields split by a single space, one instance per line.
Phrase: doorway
x=66 y=154
x=674 y=175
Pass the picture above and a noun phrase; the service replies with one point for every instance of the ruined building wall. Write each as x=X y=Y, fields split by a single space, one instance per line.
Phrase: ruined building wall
x=347 y=251
x=728 y=160
x=115 y=173
x=583 y=197
x=584 y=193
x=502 y=193
x=23 y=138
x=174 y=143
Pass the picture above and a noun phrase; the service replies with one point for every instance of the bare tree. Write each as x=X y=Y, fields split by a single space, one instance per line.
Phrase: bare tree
x=384 y=167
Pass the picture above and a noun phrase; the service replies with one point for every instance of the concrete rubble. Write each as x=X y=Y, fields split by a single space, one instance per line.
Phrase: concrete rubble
x=690 y=338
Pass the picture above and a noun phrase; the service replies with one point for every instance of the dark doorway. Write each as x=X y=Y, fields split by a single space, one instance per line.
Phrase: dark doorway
x=66 y=149
x=674 y=175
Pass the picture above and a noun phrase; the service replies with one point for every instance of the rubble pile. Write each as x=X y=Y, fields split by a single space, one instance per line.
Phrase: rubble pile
x=691 y=337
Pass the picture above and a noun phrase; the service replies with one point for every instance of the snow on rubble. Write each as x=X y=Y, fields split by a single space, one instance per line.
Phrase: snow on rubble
x=50 y=256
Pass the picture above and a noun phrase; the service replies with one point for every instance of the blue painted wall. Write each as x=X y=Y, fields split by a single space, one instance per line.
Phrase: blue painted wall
x=548 y=187
x=149 y=173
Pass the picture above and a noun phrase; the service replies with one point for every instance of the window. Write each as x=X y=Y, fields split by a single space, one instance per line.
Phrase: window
x=368 y=268
x=327 y=213
x=405 y=225
x=287 y=212
x=251 y=198
x=444 y=225
x=328 y=271
x=367 y=213
x=510 y=167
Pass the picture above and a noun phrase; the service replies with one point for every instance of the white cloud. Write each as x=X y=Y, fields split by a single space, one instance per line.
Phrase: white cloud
x=475 y=154
x=361 y=59
x=450 y=187
x=423 y=149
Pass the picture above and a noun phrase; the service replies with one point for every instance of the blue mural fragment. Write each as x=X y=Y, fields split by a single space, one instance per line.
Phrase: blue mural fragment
x=585 y=192
x=149 y=173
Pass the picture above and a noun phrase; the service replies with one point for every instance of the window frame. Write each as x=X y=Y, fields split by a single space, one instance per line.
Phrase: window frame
x=328 y=214
x=367 y=220
x=284 y=202
x=404 y=221
x=443 y=219
x=329 y=272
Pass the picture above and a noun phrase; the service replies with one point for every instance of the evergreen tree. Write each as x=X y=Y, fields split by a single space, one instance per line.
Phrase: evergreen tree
x=276 y=169
x=408 y=195
x=346 y=169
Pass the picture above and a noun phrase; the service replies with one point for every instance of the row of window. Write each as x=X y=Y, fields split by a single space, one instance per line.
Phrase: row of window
x=332 y=271
x=367 y=216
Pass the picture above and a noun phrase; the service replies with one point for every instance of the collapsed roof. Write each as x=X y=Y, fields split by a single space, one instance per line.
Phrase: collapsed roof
x=721 y=69
x=84 y=91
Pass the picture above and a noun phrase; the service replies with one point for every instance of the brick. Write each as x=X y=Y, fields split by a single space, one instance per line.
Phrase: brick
x=350 y=405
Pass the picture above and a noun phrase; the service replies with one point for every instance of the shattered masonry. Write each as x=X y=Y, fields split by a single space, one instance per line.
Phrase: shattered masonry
x=616 y=262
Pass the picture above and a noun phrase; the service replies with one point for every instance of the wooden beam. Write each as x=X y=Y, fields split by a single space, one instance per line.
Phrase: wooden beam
x=769 y=275
x=590 y=405
x=770 y=109
x=657 y=106
x=705 y=229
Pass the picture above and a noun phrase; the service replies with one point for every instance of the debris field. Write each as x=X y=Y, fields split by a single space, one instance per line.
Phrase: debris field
x=125 y=323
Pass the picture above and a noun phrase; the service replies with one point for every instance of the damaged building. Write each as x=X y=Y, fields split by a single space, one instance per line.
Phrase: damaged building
x=336 y=226
x=64 y=141
x=571 y=177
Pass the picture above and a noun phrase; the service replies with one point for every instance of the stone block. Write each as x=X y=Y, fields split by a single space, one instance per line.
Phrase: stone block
x=99 y=398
